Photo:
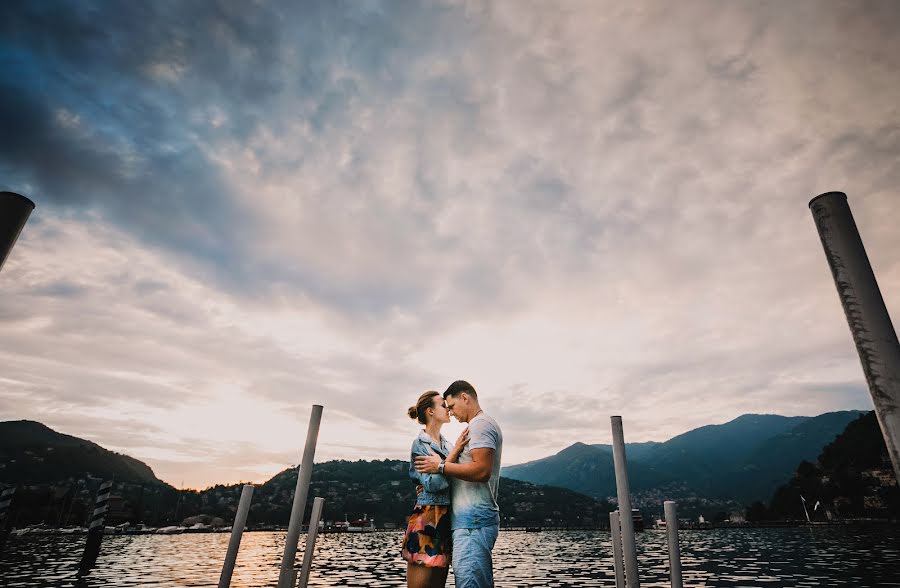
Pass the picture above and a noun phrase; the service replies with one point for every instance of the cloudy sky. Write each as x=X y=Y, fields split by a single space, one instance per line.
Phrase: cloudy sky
x=583 y=208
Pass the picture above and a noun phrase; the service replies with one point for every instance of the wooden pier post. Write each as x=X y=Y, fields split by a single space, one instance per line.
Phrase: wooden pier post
x=623 y=490
x=674 y=550
x=870 y=324
x=309 y=550
x=304 y=475
x=237 y=531
x=615 y=530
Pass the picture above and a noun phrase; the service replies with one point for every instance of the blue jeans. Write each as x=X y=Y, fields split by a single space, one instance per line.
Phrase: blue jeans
x=472 y=567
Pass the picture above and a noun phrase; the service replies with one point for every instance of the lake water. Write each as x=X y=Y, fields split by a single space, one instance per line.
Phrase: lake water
x=828 y=556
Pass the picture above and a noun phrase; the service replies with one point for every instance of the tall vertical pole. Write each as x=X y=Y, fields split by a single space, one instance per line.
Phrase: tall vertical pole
x=867 y=315
x=623 y=490
x=615 y=530
x=674 y=549
x=310 y=548
x=95 y=530
x=237 y=531
x=14 y=212
x=6 y=497
x=303 y=477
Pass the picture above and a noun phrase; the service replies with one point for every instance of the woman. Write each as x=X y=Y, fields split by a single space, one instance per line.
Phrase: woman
x=427 y=543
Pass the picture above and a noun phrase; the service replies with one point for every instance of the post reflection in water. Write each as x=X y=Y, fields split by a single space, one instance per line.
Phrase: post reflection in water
x=835 y=556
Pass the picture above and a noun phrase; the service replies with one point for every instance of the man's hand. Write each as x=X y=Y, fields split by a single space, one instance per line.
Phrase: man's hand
x=427 y=464
x=419 y=489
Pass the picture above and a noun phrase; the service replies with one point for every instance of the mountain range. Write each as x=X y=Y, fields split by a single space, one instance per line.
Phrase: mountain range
x=740 y=461
x=710 y=469
x=57 y=477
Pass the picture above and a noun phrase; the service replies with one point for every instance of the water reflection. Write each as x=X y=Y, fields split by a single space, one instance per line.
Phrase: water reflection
x=750 y=557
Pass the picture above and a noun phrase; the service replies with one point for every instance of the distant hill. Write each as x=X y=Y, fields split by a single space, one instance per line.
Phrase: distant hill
x=852 y=477
x=383 y=490
x=58 y=475
x=31 y=452
x=587 y=469
x=739 y=461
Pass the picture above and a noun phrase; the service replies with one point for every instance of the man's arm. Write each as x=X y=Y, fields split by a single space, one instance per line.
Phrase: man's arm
x=477 y=470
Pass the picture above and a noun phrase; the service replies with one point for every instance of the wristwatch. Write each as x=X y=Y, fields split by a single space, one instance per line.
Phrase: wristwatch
x=441 y=467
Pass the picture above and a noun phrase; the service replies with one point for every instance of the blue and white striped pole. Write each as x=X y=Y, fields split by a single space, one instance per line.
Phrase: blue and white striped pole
x=6 y=497
x=95 y=528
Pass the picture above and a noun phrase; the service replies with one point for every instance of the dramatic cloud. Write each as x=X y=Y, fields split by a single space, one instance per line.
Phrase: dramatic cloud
x=584 y=209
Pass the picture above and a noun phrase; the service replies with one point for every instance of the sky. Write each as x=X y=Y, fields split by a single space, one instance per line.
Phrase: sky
x=584 y=209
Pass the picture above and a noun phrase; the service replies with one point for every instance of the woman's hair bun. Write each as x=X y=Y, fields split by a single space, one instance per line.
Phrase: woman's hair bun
x=413 y=412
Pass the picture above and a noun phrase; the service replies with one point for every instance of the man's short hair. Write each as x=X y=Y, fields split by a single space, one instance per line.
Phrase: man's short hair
x=458 y=387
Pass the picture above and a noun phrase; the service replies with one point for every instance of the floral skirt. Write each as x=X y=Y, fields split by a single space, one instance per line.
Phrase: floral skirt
x=428 y=539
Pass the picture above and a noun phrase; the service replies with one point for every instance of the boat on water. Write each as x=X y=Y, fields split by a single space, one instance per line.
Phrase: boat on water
x=637 y=520
x=363 y=525
x=170 y=530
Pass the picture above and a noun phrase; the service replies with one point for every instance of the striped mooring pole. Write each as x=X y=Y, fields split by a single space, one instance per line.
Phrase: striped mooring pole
x=6 y=497
x=95 y=529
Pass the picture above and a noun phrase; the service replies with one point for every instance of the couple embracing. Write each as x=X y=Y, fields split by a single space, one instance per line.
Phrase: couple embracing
x=456 y=514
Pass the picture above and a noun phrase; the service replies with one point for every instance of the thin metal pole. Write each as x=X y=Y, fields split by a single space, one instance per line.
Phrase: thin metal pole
x=303 y=477
x=623 y=490
x=674 y=551
x=237 y=531
x=616 y=531
x=310 y=548
x=867 y=315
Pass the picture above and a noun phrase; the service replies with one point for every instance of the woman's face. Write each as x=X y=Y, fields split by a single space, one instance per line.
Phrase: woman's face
x=439 y=410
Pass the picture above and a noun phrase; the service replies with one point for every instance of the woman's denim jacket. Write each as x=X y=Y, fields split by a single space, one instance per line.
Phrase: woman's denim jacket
x=436 y=488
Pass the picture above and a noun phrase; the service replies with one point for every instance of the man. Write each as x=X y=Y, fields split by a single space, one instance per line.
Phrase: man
x=474 y=478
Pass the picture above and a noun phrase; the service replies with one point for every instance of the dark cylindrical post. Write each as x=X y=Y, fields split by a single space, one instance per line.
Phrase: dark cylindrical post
x=6 y=497
x=95 y=529
x=14 y=211
x=623 y=491
x=867 y=315
x=287 y=575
